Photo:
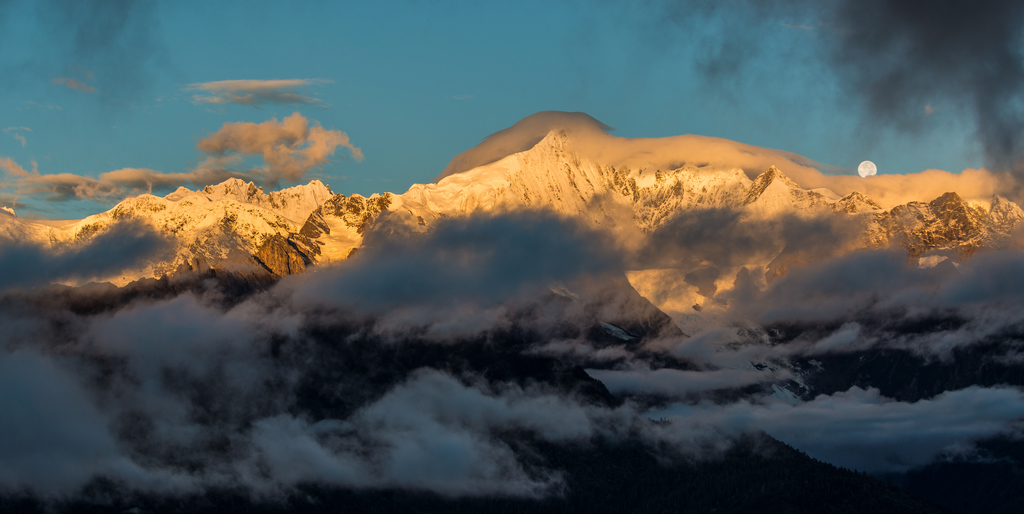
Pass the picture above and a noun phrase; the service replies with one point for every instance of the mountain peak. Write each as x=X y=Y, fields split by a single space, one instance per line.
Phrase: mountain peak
x=234 y=186
x=767 y=179
x=1004 y=212
x=522 y=136
x=950 y=199
x=8 y=211
x=951 y=208
x=856 y=202
x=295 y=203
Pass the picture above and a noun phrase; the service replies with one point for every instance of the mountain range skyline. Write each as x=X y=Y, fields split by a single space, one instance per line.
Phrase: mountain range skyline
x=565 y=163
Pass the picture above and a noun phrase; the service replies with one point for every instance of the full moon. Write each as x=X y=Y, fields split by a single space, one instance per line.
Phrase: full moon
x=867 y=168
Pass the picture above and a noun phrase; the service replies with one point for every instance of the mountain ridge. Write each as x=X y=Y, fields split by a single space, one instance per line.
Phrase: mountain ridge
x=236 y=224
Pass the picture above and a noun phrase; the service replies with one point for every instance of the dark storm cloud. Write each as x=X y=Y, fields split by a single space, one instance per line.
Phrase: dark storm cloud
x=904 y=55
x=122 y=246
x=107 y=46
x=901 y=58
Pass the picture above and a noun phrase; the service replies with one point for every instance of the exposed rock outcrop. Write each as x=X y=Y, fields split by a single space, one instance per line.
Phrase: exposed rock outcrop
x=280 y=256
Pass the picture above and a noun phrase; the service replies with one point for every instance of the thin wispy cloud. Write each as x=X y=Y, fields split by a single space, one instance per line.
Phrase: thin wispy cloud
x=29 y=104
x=255 y=93
x=14 y=132
x=797 y=26
x=74 y=84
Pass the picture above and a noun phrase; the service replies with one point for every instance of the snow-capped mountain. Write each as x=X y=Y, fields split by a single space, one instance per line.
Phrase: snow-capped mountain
x=295 y=203
x=235 y=225
x=946 y=223
x=553 y=175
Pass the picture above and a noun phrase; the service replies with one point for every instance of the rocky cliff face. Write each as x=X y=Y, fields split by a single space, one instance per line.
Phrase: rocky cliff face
x=281 y=256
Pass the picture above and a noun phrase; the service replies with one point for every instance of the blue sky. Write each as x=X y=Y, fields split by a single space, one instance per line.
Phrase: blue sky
x=414 y=83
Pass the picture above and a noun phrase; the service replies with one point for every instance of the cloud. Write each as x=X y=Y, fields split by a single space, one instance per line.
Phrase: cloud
x=520 y=137
x=111 y=185
x=297 y=386
x=115 y=45
x=836 y=288
x=74 y=84
x=860 y=429
x=892 y=56
x=160 y=419
x=289 y=148
x=440 y=435
x=67 y=186
x=49 y=419
x=590 y=138
x=14 y=131
x=483 y=260
x=674 y=383
x=121 y=246
x=866 y=300
x=146 y=180
x=314 y=382
x=724 y=237
x=255 y=93
x=958 y=51
x=12 y=168
x=29 y=104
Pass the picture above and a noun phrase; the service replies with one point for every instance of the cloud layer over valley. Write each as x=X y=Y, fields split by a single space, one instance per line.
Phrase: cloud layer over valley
x=438 y=361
